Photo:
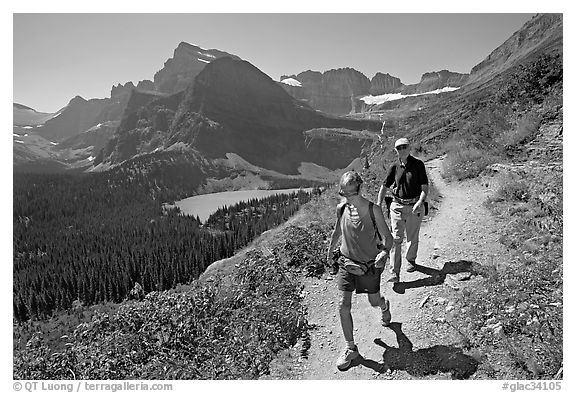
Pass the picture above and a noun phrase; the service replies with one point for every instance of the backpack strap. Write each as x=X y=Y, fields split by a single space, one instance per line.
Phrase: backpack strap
x=340 y=211
x=370 y=207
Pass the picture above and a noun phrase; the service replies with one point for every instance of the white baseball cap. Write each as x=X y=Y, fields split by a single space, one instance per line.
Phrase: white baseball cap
x=401 y=141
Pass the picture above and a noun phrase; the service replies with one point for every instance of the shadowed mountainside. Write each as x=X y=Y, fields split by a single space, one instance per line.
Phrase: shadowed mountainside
x=232 y=107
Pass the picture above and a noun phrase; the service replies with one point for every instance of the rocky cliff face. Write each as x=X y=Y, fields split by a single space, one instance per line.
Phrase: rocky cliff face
x=385 y=84
x=333 y=147
x=339 y=91
x=332 y=91
x=179 y=71
x=431 y=81
x=542 y=33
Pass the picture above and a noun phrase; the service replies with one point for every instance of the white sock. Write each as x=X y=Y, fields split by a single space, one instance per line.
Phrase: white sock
x=351 y=344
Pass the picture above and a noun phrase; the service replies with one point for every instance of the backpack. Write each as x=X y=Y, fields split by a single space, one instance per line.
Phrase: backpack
x=351 y=266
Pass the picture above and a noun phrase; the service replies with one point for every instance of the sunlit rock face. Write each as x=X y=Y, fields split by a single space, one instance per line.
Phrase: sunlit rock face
x=332 y=91
x=180 y=70
x=385 y=84
x=431 y=81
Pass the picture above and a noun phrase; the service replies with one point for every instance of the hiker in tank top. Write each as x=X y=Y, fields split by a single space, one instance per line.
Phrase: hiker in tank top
x=358 y=240
x=366 y=242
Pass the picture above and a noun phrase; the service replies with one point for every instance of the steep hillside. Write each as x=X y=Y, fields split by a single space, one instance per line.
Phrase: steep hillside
x=26 y=116
x=542 y=34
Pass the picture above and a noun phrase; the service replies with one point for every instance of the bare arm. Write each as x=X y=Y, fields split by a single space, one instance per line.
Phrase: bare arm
x=381 y=194
x=334 y=239
x=424 y=192
x=383 y=229
x=422 y=198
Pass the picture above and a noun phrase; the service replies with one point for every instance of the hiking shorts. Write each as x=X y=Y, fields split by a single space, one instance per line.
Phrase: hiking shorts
x=367 y=283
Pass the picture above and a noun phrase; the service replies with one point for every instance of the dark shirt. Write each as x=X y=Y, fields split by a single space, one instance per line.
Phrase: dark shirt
x=410 y=186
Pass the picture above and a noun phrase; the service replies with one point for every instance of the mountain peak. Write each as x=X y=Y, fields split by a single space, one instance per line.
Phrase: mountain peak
x=77 y=100
x=234 y=77
x=180 y=70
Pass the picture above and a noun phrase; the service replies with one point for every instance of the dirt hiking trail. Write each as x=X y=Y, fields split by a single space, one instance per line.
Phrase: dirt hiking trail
x=421 y=341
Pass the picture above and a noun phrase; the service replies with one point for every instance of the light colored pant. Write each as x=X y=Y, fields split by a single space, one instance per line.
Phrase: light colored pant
x=403 y=220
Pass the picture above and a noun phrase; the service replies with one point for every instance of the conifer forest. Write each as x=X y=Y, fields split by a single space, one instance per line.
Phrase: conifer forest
x=91 y=238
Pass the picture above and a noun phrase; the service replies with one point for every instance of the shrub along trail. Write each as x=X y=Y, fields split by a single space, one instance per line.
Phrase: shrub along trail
x=458 y=245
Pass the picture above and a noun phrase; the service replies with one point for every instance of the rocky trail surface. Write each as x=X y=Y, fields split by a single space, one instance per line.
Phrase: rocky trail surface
x=455 y=244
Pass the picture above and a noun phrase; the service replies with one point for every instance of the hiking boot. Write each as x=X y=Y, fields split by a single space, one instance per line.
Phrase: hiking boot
x=411 y=267
x=386 y=316
x=394 y=278
x=345 y=359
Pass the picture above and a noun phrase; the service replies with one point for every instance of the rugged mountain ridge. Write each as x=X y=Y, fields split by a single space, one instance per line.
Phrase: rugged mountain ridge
x=431 y=81
x=233 y=107
x=338 y=91
x=335 y=91
x=80 y=115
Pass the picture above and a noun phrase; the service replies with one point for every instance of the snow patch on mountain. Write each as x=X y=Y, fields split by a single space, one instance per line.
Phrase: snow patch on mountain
x=376 y=100
x=291 y=82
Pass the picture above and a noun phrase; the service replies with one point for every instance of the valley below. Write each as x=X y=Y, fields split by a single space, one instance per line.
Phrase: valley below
x=202 y=206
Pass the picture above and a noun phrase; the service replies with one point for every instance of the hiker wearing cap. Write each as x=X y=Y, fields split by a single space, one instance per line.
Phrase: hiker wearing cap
x=408 y=183
x=365 y=243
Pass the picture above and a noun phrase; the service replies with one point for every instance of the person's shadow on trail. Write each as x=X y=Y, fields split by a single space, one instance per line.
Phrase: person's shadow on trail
x=427 y=361
x=437 y=277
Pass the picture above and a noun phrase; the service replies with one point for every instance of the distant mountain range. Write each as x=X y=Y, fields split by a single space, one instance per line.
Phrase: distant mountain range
x=232 y=107
x=234 y=119
x=338 y=91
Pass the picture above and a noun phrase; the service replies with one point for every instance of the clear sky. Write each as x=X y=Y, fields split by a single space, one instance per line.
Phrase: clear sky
x=58 y=56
